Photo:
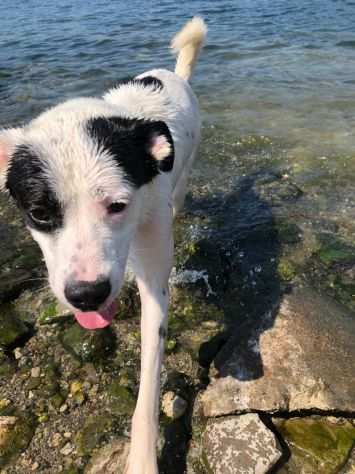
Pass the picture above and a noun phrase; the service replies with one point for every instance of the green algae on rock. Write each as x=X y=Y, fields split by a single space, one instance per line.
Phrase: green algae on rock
x=89 y=346
x=12 y=328
x=286 y=270
x=95 y=430
x=334 y=250
x=122 y=401
x=16 y=432
x=317 y=444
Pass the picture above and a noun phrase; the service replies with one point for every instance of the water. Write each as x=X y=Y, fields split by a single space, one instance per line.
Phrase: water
x=281 y=69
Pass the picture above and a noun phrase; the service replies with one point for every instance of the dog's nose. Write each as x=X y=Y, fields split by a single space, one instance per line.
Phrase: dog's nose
x=87 y=295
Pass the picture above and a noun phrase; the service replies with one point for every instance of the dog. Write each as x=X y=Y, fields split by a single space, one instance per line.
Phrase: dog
x=98 y=181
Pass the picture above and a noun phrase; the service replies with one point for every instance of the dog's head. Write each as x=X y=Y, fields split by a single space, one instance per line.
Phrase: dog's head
x=81 y=176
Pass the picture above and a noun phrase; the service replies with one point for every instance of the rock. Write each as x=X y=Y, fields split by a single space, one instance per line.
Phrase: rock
x=317 y=444
x=238 y=444
x=301 y=355
x=20 y=257
x=349 y=467
x=122 y=400
x=334 y=251
x=173 y=406
x=40 y=307
x=16 y=433
x=110 y=459
x=6 y=366
x=35 y=372
x=332 y=268
x=89 y=346
x=67 y=449
x=17 y=353
x=12 y=329
x=93 y=432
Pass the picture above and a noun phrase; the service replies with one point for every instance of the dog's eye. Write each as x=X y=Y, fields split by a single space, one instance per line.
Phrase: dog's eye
x=40 y=215
x=116 y=207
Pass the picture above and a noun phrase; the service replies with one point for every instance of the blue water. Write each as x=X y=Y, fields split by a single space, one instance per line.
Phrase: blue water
x=285 y=69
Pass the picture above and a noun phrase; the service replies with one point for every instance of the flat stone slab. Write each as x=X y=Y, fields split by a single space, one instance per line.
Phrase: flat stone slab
x=239 y=444
x=307 y=360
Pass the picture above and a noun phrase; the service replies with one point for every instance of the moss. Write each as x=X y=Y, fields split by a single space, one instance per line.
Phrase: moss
x=89 y=346
x=94 y=431
x=319 y=444
x=334 y=251
x=49 y=382
x=15 y=438
x=122 y=401
x=287 y=232
x=56 y=401
x=286 y=270
x=11 y=327
x=6 y=367
x=187 y=311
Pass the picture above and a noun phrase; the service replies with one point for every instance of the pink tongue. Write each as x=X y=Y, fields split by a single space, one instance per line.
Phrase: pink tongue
x=96 y=320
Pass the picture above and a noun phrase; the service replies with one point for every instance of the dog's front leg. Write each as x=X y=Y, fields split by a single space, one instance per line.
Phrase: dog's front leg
x=152 y=260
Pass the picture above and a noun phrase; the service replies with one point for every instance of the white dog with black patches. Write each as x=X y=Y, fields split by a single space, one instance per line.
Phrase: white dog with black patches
x=98 y=182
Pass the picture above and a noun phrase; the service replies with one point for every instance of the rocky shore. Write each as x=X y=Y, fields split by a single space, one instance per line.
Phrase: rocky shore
x=259 y=372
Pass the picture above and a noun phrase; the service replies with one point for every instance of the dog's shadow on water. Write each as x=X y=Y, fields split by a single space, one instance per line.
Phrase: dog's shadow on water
x=243 y=236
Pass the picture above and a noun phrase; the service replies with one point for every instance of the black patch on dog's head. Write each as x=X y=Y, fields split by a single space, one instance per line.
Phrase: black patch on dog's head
x=28 y=185
x=154 y=83
x=130 y=141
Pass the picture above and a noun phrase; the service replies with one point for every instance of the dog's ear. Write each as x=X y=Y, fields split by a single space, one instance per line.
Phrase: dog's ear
x=160 y=144
x=142 y=148
x=8 y=141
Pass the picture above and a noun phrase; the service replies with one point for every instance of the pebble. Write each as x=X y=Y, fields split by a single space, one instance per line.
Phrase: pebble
x=63 y=408
x=56 y=440
x=67 y=434
x=34 y=466
x=173 y=405
x=35 y=372
x=68 y=448
x=17 y=353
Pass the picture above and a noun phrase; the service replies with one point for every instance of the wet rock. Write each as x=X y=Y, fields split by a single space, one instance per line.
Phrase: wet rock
x=188 y=316
x=286 y=270
x=89 y=346
x=110 y=459
x=300 y=354
x=317 y=444
x=16 y=433
x=276 y=191
x=334 y=251
x=20 y=257
x=173 y=406
x=332 y=268
x=288 y=232
x=239 y=444
x=40 y=307
x=12 y=329
x=6 y=366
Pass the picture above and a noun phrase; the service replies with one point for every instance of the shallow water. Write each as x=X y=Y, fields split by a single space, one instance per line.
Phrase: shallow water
x=281 y=69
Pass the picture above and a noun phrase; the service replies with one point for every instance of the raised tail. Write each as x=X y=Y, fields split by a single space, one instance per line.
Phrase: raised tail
x=187 y=44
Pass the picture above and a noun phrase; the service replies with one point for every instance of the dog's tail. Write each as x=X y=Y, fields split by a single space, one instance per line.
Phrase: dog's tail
x=187 y=44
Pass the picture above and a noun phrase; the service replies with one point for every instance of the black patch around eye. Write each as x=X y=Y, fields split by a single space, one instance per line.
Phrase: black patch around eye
x=154 y=83
x=29 y=187
x=129 y=141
